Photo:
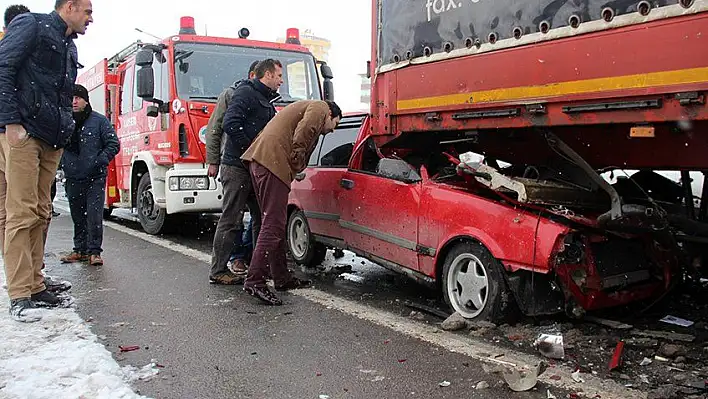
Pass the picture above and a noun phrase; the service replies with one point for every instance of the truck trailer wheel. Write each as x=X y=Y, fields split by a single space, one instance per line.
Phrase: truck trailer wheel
x=152 y=217
x=473 y=284
x=302 y=245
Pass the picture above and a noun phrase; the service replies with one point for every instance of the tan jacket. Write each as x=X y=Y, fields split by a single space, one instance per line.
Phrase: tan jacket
x=286 y=143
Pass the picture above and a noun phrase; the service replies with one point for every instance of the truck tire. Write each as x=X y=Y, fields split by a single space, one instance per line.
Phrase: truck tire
x=473 y=284
x=152 y=218
x=303 y=247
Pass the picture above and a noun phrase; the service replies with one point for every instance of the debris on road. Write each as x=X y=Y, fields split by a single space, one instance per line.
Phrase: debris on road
x=671 y=350
x=482 y=385
x=665 y=335
x=616 y=360
x=609 y=323
x=445 y=384
x=454 y=323
x=676 y=321
x=129 y=348
x=523 y=381
x=576 y=376
x=428 y=309
x=550 y=345
x=549 y=395
x=645 y=362
x=642 y=342
x=417 y=316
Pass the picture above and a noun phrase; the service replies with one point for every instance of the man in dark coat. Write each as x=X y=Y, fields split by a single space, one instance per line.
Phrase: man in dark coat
x=85 y=163
x=38 y=68
x=250 y=109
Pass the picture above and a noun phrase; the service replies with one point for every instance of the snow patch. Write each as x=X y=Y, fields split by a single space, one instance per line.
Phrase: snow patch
x=59 y=357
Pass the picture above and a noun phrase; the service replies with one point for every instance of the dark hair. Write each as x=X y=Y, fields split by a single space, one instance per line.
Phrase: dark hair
x=13 y=11
x=60 y=3
x=267 y=65
x=253 y=66
x=334 y=109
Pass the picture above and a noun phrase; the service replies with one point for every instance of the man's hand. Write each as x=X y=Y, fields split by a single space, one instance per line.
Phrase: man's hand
x=213 y=170
x=15 y=134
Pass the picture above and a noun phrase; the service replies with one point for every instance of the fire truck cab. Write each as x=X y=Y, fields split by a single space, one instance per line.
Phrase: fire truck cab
x=160 y=97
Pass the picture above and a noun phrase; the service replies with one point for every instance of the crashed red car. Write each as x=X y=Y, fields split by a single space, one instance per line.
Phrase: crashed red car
x=490 y=234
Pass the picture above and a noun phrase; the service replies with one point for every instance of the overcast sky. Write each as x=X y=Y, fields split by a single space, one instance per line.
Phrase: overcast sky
x=346 y=23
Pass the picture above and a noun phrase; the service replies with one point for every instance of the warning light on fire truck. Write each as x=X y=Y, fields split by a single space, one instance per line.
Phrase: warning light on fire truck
x=292 y=36
x=186 y=26
x=243 y=33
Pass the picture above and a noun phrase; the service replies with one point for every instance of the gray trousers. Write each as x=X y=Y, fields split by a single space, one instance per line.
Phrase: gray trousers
x=238 y=192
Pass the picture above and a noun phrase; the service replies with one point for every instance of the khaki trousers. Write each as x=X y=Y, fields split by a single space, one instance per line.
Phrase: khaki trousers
x=26 y=174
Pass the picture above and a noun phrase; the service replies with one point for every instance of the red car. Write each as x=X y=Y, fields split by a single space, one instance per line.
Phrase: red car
x=416 y=214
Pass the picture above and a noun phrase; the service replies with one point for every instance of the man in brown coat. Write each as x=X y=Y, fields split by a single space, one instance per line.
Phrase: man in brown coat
x=280 y=152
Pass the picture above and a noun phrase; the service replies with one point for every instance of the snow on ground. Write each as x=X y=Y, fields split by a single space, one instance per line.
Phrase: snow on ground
x=59 y=357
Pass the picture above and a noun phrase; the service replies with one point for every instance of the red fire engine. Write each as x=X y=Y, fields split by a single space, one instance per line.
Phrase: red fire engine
x=159 y=98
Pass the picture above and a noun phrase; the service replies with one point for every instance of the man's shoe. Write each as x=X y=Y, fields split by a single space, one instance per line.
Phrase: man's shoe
x=45 y=299
x=227 y=278
x=237 y=267
x=55 y=214
x=23 y=310
x=74 y=257
x=294 y=284
x=264 y=294
x=55 y=285
x=95 y=260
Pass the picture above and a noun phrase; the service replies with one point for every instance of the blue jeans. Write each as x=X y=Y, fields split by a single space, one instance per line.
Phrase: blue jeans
x=244 y=251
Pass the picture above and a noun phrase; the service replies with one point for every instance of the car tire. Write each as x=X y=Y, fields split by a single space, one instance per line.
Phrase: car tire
x=303 y=247
x=152 y=218
x=473 y=284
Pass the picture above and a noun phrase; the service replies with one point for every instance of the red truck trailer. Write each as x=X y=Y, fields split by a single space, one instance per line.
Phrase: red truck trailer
x=159 y=98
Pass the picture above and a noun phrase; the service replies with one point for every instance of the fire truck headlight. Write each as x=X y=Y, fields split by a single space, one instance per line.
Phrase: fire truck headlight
x=187 y=183
x=174 y=184
x=202 y=183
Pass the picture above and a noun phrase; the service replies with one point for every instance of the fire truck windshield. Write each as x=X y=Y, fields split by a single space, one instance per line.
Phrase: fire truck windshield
x=203 y=71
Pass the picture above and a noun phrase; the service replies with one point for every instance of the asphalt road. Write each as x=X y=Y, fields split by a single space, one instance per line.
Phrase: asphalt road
x=217 y=342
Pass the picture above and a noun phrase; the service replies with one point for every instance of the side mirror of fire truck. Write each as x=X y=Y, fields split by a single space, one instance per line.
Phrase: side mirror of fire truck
x=327 y=76
x=145 y=76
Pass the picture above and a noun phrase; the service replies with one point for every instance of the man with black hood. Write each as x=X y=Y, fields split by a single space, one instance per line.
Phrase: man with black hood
x=85 y=163
x=251 y=108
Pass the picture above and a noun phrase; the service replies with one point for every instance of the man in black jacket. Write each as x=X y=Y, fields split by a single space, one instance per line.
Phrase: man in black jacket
x=250 y=109
x=38 y=68
x=85 y=163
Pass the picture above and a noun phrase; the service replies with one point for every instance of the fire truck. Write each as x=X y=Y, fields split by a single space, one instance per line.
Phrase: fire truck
x=159 y=97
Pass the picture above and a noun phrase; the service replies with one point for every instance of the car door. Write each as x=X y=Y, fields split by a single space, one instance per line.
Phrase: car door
x=317 y=191
x=379 y=215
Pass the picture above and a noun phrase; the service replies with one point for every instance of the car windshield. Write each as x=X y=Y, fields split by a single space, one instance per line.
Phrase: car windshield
x=204 y=70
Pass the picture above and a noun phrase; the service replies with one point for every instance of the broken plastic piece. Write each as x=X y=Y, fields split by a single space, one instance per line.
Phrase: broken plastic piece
x=550 y=345
x=523 y=381
x=549 y=395
x=616 y=360
x=128 y=348
x=645 y=362
x=677 y=321
x=576 y=377
x=445 y=384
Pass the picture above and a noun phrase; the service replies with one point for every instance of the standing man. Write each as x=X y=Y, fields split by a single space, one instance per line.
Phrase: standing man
x=215 y=142
x=11 y=12
x=38 y=68
x=85 y=163
x=251 y=108
x=279 y=153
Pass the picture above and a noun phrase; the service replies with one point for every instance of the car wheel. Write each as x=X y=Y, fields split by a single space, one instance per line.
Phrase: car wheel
x=473 y=284
x=152 y=217
x=303 y=247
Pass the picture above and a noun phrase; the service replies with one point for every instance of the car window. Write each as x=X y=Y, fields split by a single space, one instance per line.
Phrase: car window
x=315 y=156
x=337 y=147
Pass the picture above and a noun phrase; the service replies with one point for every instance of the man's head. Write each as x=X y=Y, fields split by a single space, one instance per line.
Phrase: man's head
x=270 y=73
x=335 y=115
x=77 y=14
x=252 y=70
x=13 y=11
x=81 y=98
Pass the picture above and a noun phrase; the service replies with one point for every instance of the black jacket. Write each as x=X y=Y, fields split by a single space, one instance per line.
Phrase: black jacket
x=97 y=146
x=38 y=67
x=249 y=111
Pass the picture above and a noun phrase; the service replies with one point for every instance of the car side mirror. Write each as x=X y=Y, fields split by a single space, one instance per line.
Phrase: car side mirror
x=397 y=169
x=146 y=83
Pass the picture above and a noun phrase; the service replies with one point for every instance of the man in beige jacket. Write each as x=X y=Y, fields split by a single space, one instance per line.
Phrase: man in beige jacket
x=280 y=152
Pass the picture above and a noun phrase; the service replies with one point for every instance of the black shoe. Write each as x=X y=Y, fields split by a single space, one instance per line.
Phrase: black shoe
x=56 y=285
x=264 y=294
x=45 y=299
x=23 y=310
x=55 y=214
x=293 y=284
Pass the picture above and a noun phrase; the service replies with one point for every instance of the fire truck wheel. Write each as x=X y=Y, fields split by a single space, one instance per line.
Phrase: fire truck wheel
x=473 y=283
x=302 y=245
x=152 y=217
